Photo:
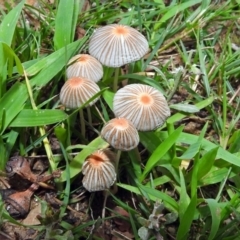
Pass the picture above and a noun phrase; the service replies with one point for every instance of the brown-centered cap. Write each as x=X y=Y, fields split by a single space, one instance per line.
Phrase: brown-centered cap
x=99 y=171
x=76 y=91
x=143 y=105
x=84 y=65
x=121 y=134
x=115 y=45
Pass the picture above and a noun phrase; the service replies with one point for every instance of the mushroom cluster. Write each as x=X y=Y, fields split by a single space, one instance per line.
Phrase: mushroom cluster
x=136 y=107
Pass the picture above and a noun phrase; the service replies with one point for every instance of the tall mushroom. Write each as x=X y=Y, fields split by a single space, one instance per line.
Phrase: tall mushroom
x=143 y=105
x=115 y=45
x=77 y=91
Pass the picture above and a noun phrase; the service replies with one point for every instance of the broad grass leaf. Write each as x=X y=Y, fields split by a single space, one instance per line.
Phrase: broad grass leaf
x=11 y=140
x=216 y=175
x=188 y=108
x=173 y=10
x=207 y=146
x=144 y=79
x=41 y=117
x=184 y=198
x=153 y=195
x=216 y=217
x=178 y=116
x=234 y=142
x=186 y=220
x=9 y=53
x=8 y=25
x=149 y=140
x=108 y=97
x=158 y=181
x=12 y=103
x=191 y=151
x=53 y=63
x=3 y=154
x=160 y=151
x=75 y=165
x=65 y=22
x=136 y=164
x=206 y=162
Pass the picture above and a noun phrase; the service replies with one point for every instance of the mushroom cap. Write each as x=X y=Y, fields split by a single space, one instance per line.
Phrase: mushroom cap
x=143 y=105
x=121 y=134
x=115 y=45
x=84 y=65
x=76 y=91
x=99 y=171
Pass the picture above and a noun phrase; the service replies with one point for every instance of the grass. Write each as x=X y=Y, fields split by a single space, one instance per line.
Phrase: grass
x=189 y=175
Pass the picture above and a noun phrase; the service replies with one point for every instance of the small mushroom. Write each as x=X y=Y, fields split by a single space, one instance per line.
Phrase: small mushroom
x=99 y=171
x=121 y=134
x=75 y=92
x=143 y=105
x=84 y=65
x=78 y=90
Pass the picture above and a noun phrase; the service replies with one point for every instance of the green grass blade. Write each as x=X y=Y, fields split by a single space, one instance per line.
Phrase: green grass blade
x=153 y=195
x=160 y=151
x=55 y=61
x=184 y=198
x=178 y=116
x=65 y=23
x=206 y=162
x=187 y=219
x=9 y=54
x=216 y=217
x=8 y=25
x=12 y=103
x=3 y=154
x=67 y=187
x=207 y=145
x=34 y=118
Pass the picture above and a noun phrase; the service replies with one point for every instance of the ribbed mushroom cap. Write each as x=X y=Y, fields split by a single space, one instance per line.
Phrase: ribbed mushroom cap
x=76 y=91
x=143 y=105
x=99 y=171
x=115 y=45
x=84 y=65
x=121 y=134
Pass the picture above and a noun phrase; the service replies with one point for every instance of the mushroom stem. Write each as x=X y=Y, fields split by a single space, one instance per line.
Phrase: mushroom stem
x=115 y=80
x=117 y=159
x=89 y=115
x=82 y=122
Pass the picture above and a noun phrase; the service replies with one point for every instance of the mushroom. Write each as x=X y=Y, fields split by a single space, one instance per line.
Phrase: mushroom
x=84 y=65
x=143 y=105
x=115 y=45
x=78 y=90
x=99 y=171
x=75 y=92
x=121 y=134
